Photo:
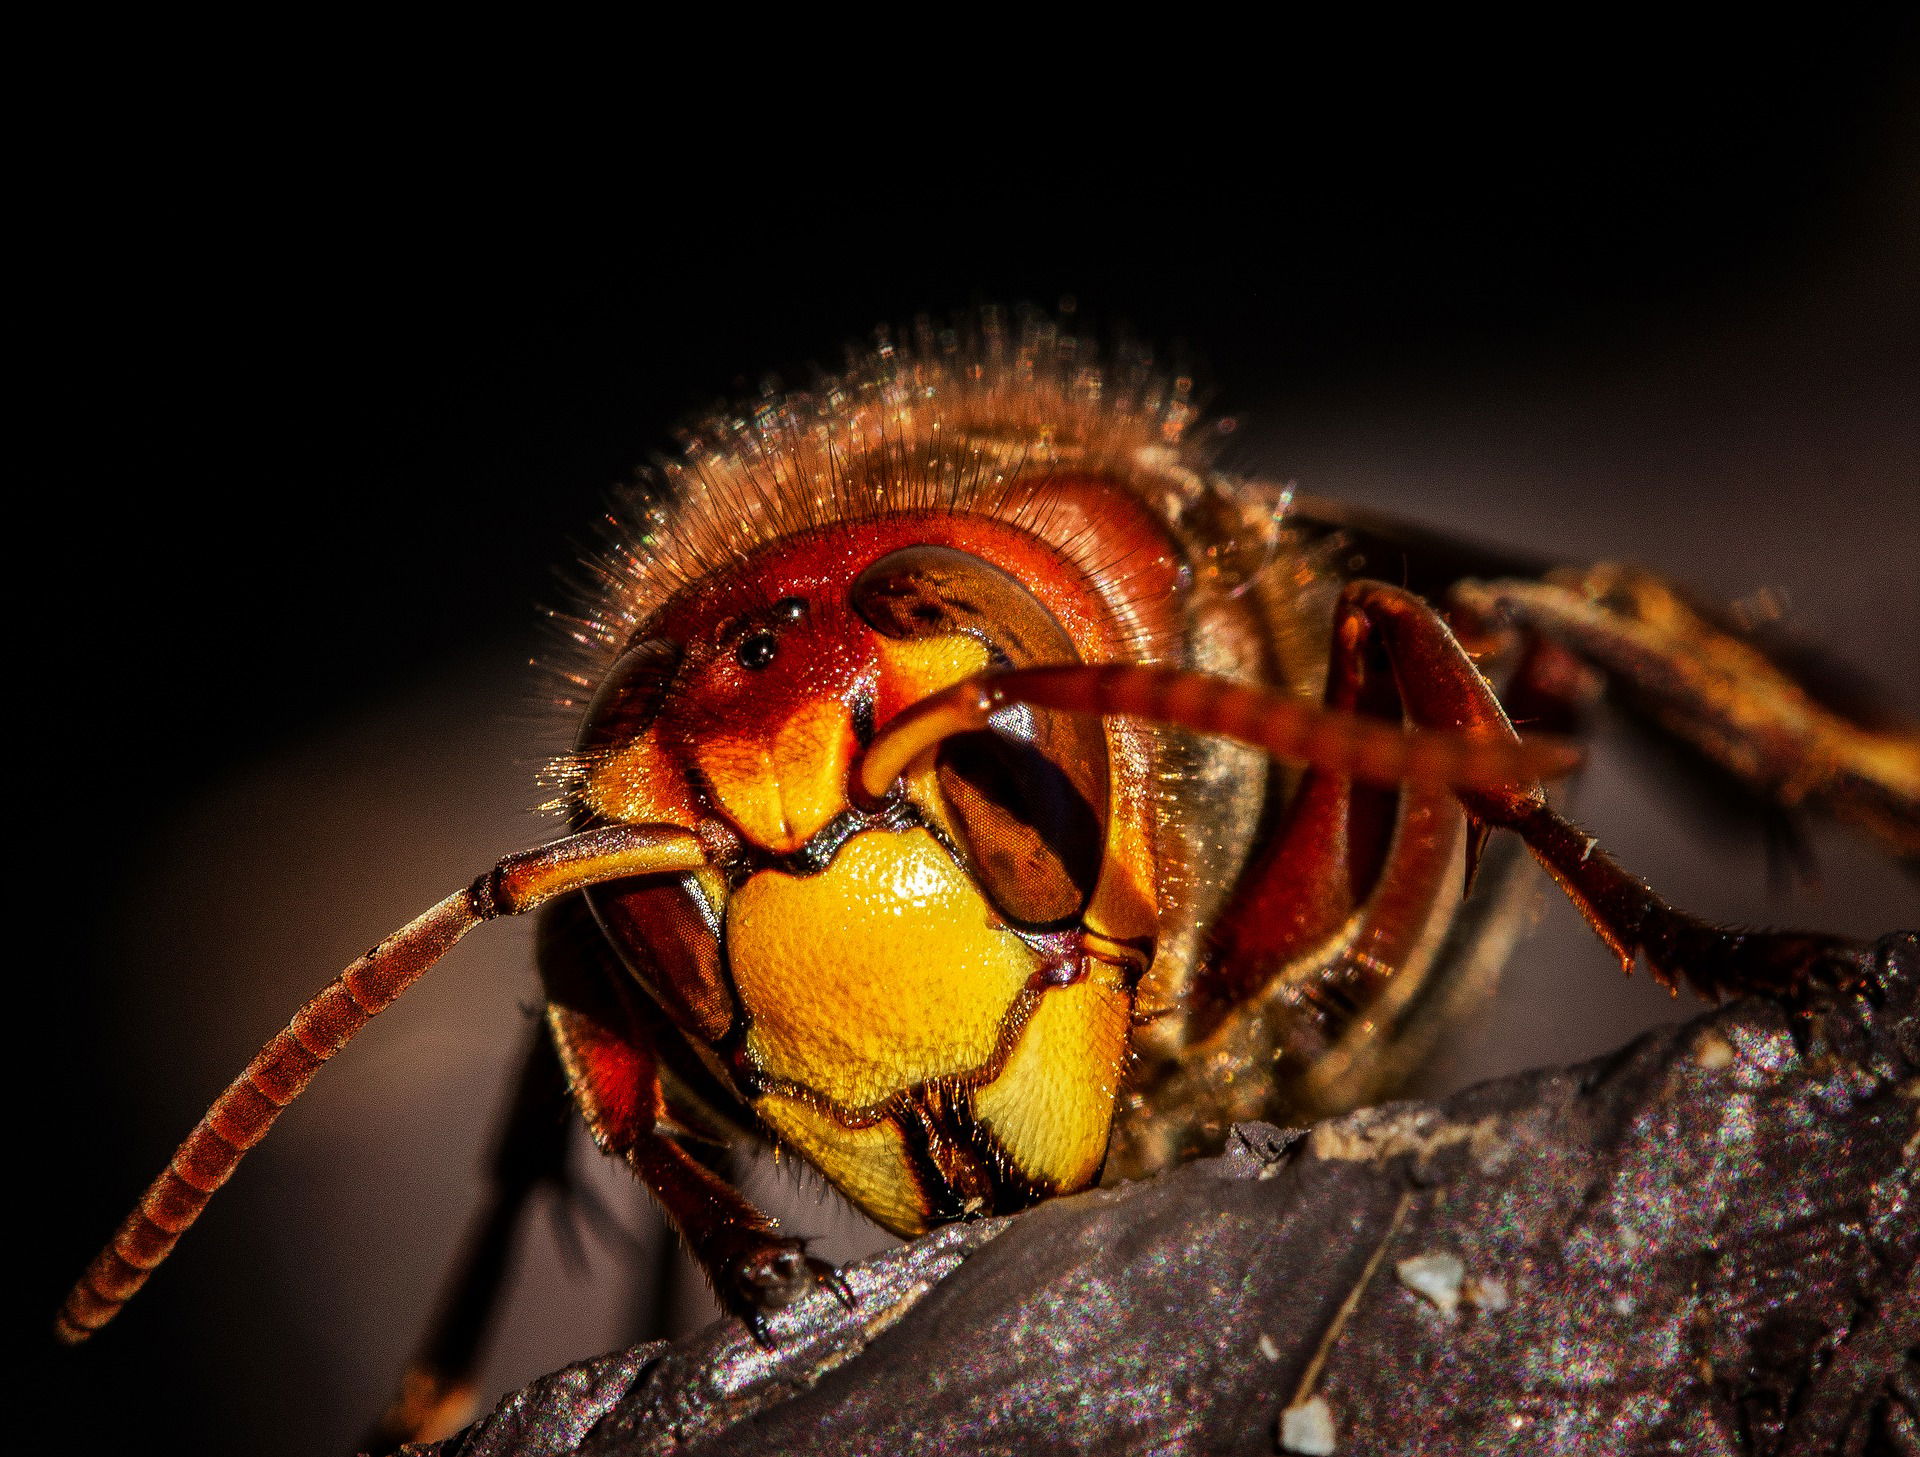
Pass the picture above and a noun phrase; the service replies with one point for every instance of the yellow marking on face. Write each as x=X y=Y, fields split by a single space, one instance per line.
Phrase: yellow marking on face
x=868 y=1165
x=781 y=788
x=1125 y=898
x=638 y=783
x=1122 y=905
x=916 y=668
x=884 y=970
x=1052 y=1104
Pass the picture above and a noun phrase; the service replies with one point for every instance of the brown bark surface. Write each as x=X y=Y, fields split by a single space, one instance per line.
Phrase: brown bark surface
x=1703 y=1244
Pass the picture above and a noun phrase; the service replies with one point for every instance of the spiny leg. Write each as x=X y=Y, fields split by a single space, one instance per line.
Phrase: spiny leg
x=1306 y=951
x=1439 y=683
x=1720 y=693
x=530 y=1152
x=241 y=1116
x=1788 y=728
x=665 y=1307
x=608 y=1041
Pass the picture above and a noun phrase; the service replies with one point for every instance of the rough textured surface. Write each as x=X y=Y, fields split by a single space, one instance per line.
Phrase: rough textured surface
x=1703 y=1244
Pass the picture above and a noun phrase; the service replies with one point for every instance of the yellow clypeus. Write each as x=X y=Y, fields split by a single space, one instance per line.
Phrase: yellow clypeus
x=882 y=971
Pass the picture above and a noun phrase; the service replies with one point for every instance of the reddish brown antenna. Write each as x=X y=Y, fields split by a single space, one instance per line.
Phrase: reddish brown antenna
x=241 y=1116
x=1296 y=729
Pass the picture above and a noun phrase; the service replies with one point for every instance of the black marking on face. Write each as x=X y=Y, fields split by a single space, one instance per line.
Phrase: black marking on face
x=961 y=1169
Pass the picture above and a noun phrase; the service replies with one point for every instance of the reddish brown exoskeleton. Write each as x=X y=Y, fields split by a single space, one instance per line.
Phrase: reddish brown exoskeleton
x=980 y=795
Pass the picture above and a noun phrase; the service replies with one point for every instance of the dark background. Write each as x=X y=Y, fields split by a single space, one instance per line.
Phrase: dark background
x=330 y=382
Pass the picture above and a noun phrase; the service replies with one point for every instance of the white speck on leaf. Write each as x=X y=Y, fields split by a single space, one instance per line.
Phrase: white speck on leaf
x=1487 y=1292
x=1435 y=1278
x=1308 y=1428
x=1713 y=1052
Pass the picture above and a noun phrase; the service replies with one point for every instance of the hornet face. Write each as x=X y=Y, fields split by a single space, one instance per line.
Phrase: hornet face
x=930 y=995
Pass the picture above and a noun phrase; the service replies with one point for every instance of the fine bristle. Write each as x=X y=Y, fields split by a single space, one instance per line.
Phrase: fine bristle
x=975 y=417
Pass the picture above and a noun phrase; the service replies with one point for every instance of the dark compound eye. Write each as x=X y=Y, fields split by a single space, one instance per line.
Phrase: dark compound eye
x=1029 y=797
x=790 y=609
x=757 y=651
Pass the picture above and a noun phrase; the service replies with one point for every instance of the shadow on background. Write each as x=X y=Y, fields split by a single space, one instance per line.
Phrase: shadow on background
x=327 y=425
